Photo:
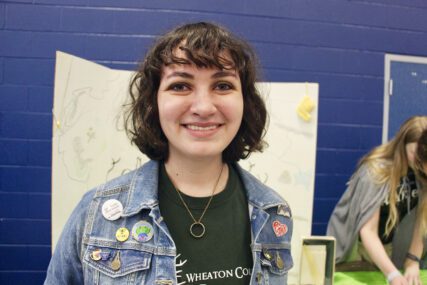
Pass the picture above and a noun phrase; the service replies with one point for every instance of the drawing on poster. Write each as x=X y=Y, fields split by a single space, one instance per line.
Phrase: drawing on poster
x=90 y=145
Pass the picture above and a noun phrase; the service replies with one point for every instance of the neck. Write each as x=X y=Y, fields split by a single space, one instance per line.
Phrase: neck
x=197 y=178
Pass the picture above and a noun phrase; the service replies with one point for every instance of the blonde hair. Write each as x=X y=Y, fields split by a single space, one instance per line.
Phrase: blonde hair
x=388 y=162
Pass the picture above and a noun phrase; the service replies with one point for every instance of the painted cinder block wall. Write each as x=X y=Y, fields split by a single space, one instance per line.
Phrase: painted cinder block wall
x=338 y=43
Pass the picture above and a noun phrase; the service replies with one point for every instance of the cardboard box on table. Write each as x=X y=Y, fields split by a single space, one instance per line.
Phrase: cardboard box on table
x=317 y=260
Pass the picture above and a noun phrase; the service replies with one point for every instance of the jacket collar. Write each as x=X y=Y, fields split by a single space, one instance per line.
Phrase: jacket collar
x=259 y=195
x=143 y=189
x=143 y=192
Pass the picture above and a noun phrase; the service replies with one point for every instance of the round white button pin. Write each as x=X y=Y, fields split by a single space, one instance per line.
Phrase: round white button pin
x=112 y=209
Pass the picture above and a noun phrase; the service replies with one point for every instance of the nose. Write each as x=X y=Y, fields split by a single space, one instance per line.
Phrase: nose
x=203 y=103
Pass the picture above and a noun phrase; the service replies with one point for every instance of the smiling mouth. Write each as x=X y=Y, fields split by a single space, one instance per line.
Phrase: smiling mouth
x=200 y=128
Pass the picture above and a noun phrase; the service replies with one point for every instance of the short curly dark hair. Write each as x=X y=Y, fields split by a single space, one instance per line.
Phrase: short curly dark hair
x=205 y=45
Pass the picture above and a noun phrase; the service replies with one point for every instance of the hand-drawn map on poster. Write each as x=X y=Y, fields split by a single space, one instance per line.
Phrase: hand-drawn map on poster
x=89 y=145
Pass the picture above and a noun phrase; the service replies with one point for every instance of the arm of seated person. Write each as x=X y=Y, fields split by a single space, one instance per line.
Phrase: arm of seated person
x=412 y=268
x=373 y=245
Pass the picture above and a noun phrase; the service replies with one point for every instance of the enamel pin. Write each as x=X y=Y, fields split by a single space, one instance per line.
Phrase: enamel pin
x=279 y=228
x=142 y=231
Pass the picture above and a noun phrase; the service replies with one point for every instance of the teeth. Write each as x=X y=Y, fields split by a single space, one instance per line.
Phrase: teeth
x=197 y=128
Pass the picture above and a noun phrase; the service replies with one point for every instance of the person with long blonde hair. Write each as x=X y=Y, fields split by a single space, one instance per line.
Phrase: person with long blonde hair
x=382 y=195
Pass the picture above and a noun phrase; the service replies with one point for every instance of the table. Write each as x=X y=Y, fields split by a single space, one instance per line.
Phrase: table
x=367 y=278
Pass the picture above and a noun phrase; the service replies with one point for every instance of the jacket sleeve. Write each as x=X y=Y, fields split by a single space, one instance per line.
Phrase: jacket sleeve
x=65 y=267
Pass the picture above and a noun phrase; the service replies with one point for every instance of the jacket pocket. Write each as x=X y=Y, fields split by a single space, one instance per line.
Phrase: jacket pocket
x=111 y=265
x=278 y=261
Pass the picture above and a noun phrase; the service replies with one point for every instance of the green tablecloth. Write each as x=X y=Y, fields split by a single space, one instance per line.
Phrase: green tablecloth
x=366 y=278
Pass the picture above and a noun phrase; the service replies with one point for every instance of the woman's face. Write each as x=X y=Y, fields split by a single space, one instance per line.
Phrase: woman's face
x=411 y=148
x=200 y=109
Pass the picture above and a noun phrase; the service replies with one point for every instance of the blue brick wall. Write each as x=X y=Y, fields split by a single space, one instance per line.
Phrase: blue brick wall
x=338 y=43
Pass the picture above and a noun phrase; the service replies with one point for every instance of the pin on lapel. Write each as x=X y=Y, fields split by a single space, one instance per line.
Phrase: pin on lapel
x=279 y=228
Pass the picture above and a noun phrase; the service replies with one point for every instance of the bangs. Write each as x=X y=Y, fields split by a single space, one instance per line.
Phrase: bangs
x=206 y=48
x=200 y=58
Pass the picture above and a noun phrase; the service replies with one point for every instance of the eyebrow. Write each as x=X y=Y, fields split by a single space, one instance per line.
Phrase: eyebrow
x=220 y=74
x=180 y=74
x=187 y=75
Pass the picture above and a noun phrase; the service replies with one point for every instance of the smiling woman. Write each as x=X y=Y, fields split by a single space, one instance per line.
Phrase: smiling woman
x=191 y=215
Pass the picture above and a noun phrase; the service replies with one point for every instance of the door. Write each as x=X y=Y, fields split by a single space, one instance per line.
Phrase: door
x=405 y=91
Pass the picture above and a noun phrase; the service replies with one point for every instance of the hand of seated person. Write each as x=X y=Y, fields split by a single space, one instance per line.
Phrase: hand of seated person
x=412 y=273
x=399 y=280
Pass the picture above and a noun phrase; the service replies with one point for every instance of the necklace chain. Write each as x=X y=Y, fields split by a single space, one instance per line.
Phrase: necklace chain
x=199 y=222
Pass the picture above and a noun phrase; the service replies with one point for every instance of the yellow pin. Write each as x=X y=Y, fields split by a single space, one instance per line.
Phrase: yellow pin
x=122 y=234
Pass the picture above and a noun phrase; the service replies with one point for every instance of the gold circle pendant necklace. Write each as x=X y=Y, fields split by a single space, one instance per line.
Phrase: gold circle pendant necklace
x=197 y=228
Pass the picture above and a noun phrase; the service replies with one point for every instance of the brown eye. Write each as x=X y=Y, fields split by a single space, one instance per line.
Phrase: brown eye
x=224 y=86
x=178 y=87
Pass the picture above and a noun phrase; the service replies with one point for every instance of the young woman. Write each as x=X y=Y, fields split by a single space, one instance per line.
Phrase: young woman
x=191 y=215
x=381 y=196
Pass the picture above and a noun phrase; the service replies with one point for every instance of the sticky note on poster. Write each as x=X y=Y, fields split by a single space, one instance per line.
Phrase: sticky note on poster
x=305 y=108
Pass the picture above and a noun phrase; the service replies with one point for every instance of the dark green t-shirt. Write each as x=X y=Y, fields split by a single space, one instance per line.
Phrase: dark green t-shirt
x=223 y=255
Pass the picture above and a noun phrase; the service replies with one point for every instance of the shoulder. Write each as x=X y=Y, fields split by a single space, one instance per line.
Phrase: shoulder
x=363 y=189
x=124 y=182
x=259 y=194
x=79 y=214
x=365 y=175
x=119 y=188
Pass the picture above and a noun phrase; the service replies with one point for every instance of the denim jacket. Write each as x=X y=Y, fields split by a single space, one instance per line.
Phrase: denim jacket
x=153 y=262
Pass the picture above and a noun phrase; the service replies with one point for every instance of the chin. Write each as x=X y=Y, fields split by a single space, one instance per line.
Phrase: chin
x=205 y=152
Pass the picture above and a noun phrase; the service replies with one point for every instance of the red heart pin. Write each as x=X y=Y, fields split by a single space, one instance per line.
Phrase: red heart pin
x=279 y=228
